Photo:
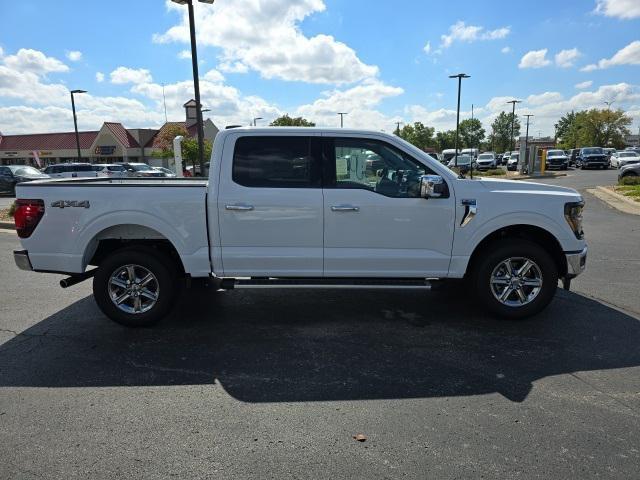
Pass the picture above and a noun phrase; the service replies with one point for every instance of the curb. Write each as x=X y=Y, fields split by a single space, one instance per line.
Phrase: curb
x=615 y=200
x=7 y=225
x=536 y=177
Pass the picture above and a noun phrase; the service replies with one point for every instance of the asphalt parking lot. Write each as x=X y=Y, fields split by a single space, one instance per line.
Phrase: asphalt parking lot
x=274 y=384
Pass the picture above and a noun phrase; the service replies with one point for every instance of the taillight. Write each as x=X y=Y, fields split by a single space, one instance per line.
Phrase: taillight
x=27 y=216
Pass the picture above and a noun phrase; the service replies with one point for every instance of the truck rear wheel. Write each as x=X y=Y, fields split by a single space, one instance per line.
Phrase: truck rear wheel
x=134 y=287
x=516 y=279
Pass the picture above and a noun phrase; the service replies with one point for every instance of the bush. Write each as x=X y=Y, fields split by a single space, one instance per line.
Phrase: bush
x=490 y=173
x=12 y=210
x=629 y=180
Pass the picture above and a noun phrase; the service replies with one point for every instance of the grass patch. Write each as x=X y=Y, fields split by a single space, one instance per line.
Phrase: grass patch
x=632 y=191
x=494 y=172
x=6 y=214
x=629 y=180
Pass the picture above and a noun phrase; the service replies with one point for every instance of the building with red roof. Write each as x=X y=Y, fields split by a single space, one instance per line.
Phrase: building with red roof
x=111 y=144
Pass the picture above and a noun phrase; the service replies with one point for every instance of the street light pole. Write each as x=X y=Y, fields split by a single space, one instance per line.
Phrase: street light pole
x=342 y=114
x=513 y=120
x=196 y=80
x=526 y=141
x=398 y=128
x=75 y=121
x=255 y=121
x=459 y=76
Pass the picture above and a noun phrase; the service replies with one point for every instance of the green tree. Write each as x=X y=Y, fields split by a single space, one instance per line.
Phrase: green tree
x=165 y=140
x=471 y=133
x=501 y=131
x=419 y=135
x=595 y=127
x=190 y=150
x=287 y=121
x=446 y=139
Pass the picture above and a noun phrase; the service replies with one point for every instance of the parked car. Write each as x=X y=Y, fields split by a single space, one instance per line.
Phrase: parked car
x=111 y=170
x=70 y=170
x=499 y=158
x=592 y=157
x=486 y=161
x=464 y=163
x=573 y=156
x=608 y=152
x=472 y=152
x=167 y=172
x=557 y=159
x=12 y=175
x=512 y=163
x=142 y=170
x=448 y=154
x=505 y=158
x=632 y=170
x=627 y=157
x=275 y=213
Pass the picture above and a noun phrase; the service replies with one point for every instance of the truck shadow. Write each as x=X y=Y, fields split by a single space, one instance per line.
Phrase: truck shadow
x=311 y=345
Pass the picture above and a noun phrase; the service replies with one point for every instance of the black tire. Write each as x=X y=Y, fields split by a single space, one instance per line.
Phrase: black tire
x=514 y=248
x=165 y=279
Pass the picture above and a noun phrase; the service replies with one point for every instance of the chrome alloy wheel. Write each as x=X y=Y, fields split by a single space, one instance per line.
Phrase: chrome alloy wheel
x=133 y=289
x=516 y=281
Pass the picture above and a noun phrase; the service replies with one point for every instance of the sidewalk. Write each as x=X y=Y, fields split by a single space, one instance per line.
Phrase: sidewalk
x=616 y=200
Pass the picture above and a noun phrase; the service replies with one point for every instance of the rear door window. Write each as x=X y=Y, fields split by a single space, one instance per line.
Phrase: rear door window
x=277 y=162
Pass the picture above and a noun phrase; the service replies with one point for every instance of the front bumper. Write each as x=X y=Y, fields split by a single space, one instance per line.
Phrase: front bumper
x=21 y=257
x=576 y=262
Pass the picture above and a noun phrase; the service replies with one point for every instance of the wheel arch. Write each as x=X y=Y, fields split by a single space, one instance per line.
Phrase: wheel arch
x=116 y=237
x=533 y=233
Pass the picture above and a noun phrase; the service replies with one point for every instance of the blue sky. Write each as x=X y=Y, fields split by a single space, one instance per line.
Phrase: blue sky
x=380 y=61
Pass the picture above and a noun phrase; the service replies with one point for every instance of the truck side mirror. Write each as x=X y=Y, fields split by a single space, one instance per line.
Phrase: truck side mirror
x=432 y=186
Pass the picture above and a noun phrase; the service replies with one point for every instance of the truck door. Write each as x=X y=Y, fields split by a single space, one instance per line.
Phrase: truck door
x=270 y=206
x=376 y=223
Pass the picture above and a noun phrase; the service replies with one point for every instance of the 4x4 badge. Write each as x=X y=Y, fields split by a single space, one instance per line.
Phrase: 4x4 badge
x=70 y=203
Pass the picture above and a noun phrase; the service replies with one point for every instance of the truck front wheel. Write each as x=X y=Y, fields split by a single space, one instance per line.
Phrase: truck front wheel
x=516 y=279
x=134 y=287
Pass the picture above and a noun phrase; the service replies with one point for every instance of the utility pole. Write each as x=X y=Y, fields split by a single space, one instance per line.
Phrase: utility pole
x=342 y=114
x=75 y=121
x=513 y=120
x=196 y=78
x=526 y=141
x=398 y=128
x=459 y=76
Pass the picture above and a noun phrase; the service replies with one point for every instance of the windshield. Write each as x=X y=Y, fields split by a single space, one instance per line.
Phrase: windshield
x=592 y=151
x=485 y=156
x=24 y=170
x=515 y=156
x=555 y=153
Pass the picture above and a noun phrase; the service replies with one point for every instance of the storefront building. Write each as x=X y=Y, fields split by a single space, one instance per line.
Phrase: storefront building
x=113 y=143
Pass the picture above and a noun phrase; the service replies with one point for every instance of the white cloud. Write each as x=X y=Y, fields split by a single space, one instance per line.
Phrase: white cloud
x=427 y=48
x=567 y=58
x=358 y=101
x=99 y=77
x=626 y=9
x=462 y=32
x=1 y=52
x=130 y=75
x=266 y=37
x=184 y=54
x=544 y=98
x=233 y=67
x=583 y=85
x=629 y=55
x=34 y=61
x=535 y=59
x=506 y=50
x=74 y=56
x=214 y=76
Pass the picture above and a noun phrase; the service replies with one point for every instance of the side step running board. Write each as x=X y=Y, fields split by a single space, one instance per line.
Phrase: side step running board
x=364 y=283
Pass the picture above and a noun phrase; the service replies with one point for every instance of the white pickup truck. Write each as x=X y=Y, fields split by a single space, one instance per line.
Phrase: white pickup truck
x=303 y=208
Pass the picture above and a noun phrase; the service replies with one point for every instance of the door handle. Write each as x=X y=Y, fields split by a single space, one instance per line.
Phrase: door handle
x=344 y=208
x=240 y=208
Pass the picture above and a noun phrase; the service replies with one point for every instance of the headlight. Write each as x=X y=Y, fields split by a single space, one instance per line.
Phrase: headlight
x=573 y=215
